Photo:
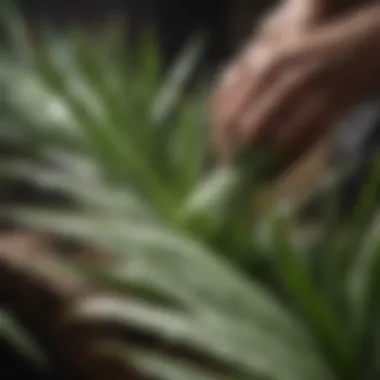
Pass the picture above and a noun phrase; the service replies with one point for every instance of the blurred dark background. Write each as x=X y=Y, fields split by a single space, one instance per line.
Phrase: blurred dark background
x=226 y=22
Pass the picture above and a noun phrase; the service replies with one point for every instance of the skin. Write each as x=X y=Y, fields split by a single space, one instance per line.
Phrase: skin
x=309 y=63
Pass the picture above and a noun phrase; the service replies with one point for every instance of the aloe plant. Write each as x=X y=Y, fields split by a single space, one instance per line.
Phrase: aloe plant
x=194 y=267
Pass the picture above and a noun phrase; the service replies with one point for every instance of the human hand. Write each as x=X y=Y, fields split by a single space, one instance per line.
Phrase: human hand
x=288 y=92
x=290 y=16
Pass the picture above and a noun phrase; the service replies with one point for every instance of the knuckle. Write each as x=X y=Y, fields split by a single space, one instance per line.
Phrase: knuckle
x=266 y=58
x=229 y=76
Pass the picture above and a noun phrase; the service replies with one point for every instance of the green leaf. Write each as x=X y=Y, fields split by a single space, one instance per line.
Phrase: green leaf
x=83 y=188
x=120 y=154
x=21 y=340
x=189 y=143
x=157 y=364
x=177 y=80
x=207 y=333
x=351 y=238
x=330 y=333
x=362 y=294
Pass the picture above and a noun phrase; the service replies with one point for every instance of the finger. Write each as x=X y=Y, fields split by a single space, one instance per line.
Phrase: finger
x=224 y=94
x=237 y=86
x=257 y=67
x=299 y=134
x=221 y=122
x=259 y=70
x=320 y=113
x=268 y=113
x=223 y=141
x=271 y=26
x=275 y=23
x=305 y=113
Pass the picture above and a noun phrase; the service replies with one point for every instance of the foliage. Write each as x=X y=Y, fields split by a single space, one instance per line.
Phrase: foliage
x=197 y=269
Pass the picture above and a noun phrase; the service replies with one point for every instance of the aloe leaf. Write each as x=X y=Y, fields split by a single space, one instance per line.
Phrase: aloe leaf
x=204 y=208
x=362 y=278
x=159 y=259
x=189 y=143
x=330 y=332
x=159 y=365
x=169 y=115
x=90 y=193
x=21 y=340
x=177 y=79
x=104 y=78
x=349 y=241
x=16 y=31
x=150 y=64
x=218 y=209
x=371 y=367
x=120 y=153
x=37 y=112
x=174 y=255
x=362 y=296
x=208 y=336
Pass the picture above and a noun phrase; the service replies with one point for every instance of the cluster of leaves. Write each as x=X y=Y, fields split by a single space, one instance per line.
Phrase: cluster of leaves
x=131 y=155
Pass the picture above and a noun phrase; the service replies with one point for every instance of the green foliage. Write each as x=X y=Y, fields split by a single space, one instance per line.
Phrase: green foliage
x=94 y=125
